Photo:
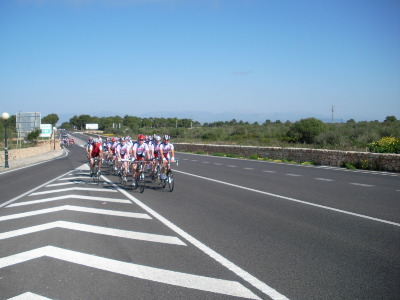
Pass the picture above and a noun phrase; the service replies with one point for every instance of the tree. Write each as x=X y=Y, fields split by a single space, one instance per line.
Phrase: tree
x=390 y=119
x=50 y=119
x=306 y=130
x=33 y=136
x=66 y=126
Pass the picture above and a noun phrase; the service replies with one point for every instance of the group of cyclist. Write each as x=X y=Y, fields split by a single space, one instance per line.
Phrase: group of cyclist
x=124 y=150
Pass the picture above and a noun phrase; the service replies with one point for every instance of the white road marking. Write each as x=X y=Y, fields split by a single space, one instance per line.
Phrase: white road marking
x=34 y=189
x=362 y=184
x=248 y=168
x=272 y=293
x=95 y=229
x=76 y=208
x=267 y=171
x=293 y=199
x=29 y=296
x=217 y=164
x=231 y=166
x=79 y=197
x=206 y=162
x=294 y=175
x=73 y=189
x=214 y=285
x=65 y=183
x=75 y=178
x=324 y=179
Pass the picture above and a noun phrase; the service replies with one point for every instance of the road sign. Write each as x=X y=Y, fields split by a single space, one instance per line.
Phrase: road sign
x=46 y=130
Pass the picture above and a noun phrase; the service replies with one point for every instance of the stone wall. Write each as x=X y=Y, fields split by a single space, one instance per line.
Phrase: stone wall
x=30 y=151
x=366 y=160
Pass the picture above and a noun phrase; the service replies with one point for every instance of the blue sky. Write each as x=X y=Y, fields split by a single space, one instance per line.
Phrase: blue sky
x=243 y=59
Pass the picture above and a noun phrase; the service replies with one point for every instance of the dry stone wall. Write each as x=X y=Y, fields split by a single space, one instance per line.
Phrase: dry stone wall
x=30 y=151
x=366 y=160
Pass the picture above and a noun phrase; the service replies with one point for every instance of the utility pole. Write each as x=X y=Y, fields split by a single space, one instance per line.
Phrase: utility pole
x=332 y=109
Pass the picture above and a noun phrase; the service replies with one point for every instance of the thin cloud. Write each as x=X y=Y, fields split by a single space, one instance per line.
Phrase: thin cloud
x=242 y=73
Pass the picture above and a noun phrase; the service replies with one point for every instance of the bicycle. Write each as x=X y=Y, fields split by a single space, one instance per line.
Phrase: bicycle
x=123 y=173
x=155 y=174
x=95 y=172
x=139 y=176
x=169 y=177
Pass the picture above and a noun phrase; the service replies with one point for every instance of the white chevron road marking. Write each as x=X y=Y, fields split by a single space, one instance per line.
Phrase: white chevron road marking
x=75 y=178
x=29 y=296
x=76 y=208
x=67 y=183
x=215 y=285
x=80 y=197
x=74 y=189
x=94 y=229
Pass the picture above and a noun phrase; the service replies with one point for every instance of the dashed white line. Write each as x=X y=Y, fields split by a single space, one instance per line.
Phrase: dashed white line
x=231 y=166
x=294 y=200
x=248 y=168
x=294 y=175
x=361 y=184
x=268 y=171
x=324 y=179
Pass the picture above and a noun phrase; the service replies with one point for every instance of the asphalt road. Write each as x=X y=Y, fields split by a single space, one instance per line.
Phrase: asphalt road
x=231 y=228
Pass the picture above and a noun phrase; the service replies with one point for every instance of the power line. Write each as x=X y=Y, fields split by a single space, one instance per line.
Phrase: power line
x=332 y=109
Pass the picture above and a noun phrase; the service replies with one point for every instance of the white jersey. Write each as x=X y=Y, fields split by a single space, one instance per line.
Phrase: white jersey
x=166 y=149
x=123 y=149
x=140 y=149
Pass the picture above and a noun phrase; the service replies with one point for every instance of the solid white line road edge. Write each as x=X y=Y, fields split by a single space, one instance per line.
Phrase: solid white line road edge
x=275 y=295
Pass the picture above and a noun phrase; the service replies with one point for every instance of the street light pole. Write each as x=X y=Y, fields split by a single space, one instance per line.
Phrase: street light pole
x=5 y=117
x=54 y=136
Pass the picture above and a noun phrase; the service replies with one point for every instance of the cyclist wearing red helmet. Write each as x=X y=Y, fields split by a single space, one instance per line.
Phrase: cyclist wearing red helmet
x=95 y=150
x=140 y=151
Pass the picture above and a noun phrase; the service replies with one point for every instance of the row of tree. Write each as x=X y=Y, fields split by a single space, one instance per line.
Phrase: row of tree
x=312 y=132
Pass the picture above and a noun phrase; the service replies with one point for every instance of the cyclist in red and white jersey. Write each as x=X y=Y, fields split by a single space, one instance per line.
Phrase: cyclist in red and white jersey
x=167 y=153
x=95 y=150
x=140 y=151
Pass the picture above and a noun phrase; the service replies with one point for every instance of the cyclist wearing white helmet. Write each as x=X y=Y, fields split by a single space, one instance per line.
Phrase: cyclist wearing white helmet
x=167 y=153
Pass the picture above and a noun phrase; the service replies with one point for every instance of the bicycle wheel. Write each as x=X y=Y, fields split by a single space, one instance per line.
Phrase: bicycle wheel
x=120 y=177
x=141 y=182
x=93 y=174
x=156 y=174
x=98 y=174
x=163 y=181
x=170 y=180
x=134 y=187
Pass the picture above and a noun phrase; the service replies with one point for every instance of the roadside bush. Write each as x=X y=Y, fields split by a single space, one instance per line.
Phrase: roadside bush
x=306 y=130
x=385 y=145
x=33 y=136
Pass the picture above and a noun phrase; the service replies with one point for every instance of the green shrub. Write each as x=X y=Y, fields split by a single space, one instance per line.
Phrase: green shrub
x=385 y=145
